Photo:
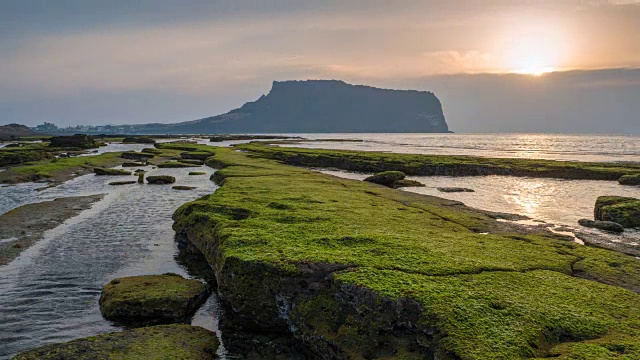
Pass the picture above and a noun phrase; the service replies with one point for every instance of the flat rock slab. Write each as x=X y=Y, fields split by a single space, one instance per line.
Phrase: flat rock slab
x=122 y=182
x=161 y=179
x=155 y=342
x=181 y=187
x=602 y=225
x=112 y=172
x=454 y=189
x=152 y=299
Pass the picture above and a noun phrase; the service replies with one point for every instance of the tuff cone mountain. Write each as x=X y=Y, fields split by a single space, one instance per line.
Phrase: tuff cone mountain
x=322 y=106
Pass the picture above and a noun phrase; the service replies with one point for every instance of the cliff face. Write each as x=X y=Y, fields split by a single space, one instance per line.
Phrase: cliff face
x=327 y=106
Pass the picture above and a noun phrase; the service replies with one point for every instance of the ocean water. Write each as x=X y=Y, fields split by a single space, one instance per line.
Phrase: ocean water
x=609 y=148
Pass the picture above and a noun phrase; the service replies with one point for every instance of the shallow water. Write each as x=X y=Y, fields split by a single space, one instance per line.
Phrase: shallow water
x=50 y=293
x=608 y=148
x=554 y=201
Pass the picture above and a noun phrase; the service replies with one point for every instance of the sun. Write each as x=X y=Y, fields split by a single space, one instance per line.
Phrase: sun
x=532 y=54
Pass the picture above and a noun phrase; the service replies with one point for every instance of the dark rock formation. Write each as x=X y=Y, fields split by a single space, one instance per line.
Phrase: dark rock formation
x=322 y=106
x=454 y=189
x=182 y=187
x=132 y=155
x=132 y=164
x=80 y=141
x=386 y=178
x=140 y=177
x=175 y=164
x=622 y=210
x=152 y=299
x=629 y=179
x=161 y=179
x=602 y=225
x=122 y=182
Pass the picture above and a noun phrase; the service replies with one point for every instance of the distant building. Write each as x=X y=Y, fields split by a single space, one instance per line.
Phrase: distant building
x=46 y=127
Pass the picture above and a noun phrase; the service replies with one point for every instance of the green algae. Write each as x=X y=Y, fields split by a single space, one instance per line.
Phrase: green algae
x=622 y=210
x=183 y=342
x=496 y=295
x=152 y=299
x=447 y=165
x=629 y=179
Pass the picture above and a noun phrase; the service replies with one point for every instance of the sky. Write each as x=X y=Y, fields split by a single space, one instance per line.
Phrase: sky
x=496 y=65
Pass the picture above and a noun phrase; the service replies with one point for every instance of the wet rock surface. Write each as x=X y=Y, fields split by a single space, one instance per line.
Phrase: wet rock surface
x=110 y=172
x=152 y=299
x=622 y=210
x=154 y=342
x=454 y=189
x=161 y=179
x=629 y=179
x=80 y=141
x=602 y=225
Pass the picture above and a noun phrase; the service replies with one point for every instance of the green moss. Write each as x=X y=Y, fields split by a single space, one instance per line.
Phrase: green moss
x=629 y=179
x=152 y=299
x=196 y=155
x=499 y=295
x=427 y=165
x=622 y=210
x=155 y=342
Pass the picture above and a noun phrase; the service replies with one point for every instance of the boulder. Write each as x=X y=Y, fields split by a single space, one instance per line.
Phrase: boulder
x=454 y=189
x=622 y=210
x=161 y=179
x=81 y=141
x=602 y=225
x=386 y=178
x=152 y=299
x=629 y=179
x=176 y=341
x=106 y=171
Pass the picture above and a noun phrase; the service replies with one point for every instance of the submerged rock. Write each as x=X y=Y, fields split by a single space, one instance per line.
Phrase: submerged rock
x=122 y=182
x=161 y=179
x=629 y=179
x=155 y=342
x=182 y=187
x=602 y=225
x=113 y=172
x=386 y=178
x=622 y=210
x=454 y=189
x=152 y=299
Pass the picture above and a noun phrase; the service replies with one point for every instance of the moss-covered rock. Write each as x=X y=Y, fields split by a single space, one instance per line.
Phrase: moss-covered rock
x=132 y=164
x=197 y=173
x=122 y=182
x=140 y=177
x=111 y=172
x=454 y=189
x=355 y=270
x=138 y=156
x=196 y=155
x=152 y=151
x=152 y=299
x=175 y=164
x=622 y=210
x=406 y=183
x=629 y=179
x=602 y=225
x=80 y=141
x=150 y=343
x=386 y=178
x=138 y=140
x=161 y=179
x=183 y=187
x=189 y=161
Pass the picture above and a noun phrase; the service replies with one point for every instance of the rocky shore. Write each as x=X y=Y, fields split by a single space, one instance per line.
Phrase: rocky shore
x=355 y=270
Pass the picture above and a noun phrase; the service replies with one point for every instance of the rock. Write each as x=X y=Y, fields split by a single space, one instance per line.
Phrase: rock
x=81 y=141
x=197 y=173
x=602 y=225
x=176 y=341
x=152 y=299
x=622 y=210
x=122 y=182
x=194 y=162
x=132 y=155
x=105 y=171
x=161 y=179
x=406 y=183
x=196 y=155
x=182 y=187
x=386 y=178
x=152 y=151
x=454 y=189
x=138 y=140
x=629 y=179
x=174 y=164
x=132 y=164
x=140 y=177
